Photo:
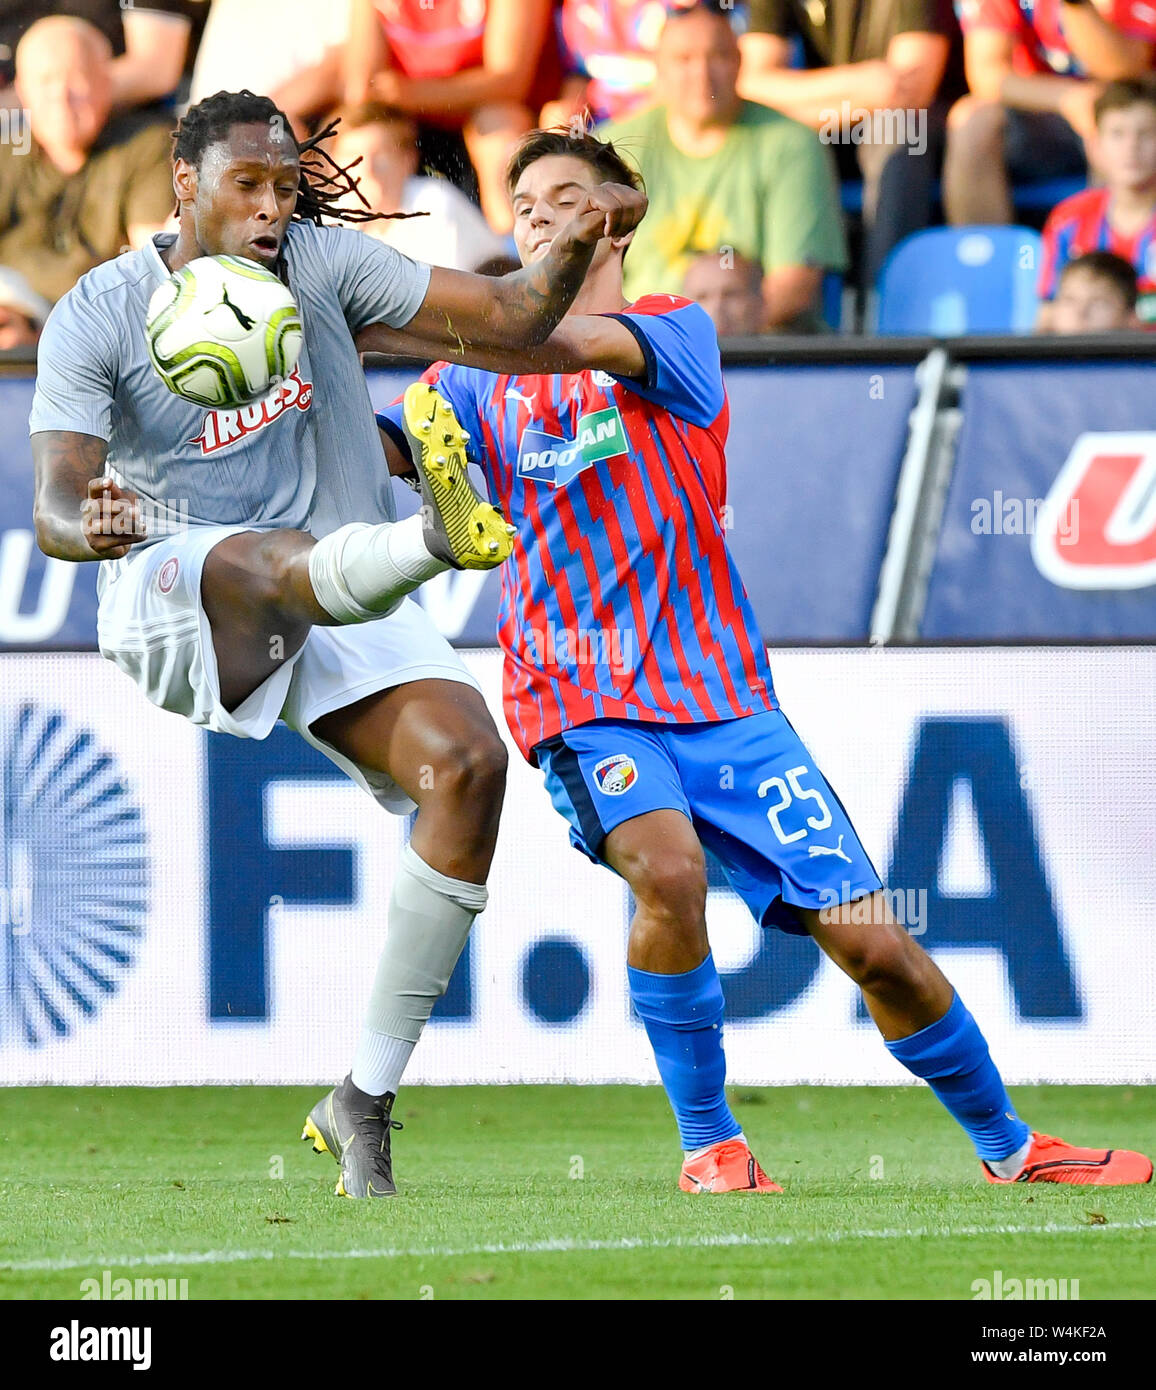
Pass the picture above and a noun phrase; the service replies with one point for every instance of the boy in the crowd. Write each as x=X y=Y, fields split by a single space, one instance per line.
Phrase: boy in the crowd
x=1096 y=294
x=1119 y=216
x=1034 y=70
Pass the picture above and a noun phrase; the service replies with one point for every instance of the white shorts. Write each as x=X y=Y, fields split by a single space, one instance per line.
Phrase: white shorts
x=152 y=625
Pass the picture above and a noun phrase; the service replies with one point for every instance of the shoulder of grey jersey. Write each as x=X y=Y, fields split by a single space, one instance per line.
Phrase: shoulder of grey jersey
x=374 y=282
x=102 y=291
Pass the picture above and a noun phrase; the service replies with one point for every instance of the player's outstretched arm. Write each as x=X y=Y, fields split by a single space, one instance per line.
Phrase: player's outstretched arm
x=523 y=308
x=583 y=342
x=79 y=514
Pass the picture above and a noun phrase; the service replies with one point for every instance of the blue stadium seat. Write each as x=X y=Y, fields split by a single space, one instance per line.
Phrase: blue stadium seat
x=951 y=280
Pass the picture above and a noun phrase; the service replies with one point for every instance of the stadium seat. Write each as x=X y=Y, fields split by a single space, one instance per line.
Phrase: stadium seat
x=952 y=280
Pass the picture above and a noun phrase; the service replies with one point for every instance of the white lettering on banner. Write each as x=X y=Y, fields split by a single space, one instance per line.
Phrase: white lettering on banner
x=51 y=611
x=553 y=915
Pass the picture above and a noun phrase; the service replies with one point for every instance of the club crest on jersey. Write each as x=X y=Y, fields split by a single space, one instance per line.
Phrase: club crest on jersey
x=168 y=574
x=548 y=458
x=225 y=427
x=616 y=774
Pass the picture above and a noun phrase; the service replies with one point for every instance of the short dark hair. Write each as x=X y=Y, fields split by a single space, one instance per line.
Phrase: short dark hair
x=1113 y=269
x=600 y=155
x=1129 y=91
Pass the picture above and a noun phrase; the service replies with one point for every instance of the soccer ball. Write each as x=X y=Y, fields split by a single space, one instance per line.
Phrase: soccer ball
x=223 y=331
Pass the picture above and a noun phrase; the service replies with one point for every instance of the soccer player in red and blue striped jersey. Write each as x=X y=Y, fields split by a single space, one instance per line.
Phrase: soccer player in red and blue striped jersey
x=636 y=679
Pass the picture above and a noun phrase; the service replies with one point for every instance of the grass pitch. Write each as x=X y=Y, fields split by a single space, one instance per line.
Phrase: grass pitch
x=560 y=1192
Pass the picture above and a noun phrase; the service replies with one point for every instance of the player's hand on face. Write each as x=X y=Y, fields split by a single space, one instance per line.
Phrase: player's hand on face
x=111 y=519
x=610 y=209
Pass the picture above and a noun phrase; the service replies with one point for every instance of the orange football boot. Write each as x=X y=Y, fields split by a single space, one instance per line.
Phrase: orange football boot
x=726 y=1167
x=1052 y=1160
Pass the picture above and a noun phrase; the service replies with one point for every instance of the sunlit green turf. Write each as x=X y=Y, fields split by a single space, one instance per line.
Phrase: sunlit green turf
x=883 y=1199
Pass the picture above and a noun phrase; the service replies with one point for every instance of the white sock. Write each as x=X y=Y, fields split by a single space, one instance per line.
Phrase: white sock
x=698 y=1153
x=361 y=572
x=1010 y=1166
x=430 y=916
x=380 y=1062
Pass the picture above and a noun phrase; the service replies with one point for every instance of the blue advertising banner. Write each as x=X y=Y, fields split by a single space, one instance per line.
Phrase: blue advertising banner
x=1050 y=525
x=1049 y=530
x=43 y=602
x=813 y=457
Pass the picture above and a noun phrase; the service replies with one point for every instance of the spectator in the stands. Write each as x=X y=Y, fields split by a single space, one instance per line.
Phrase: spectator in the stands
x=474 y=73
x=297 y=59
x=1120 y=215
x=1034 y=75
x=873 y=85
x=720 y=171
x=22 y=311
x=1096 y=294
x=153 y=42
x=730 y=288
x=89 y=183
x=607 y=57
x=452 y=233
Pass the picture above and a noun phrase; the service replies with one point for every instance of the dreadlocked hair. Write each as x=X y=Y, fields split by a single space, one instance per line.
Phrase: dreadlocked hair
x=324 y=185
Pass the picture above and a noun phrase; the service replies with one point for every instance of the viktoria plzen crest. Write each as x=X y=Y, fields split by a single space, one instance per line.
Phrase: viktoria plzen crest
x=616 y=774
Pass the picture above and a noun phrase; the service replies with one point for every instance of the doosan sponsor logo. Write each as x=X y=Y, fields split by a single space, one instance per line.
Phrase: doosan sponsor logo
x=76 y=1343
x=225 y=427
x=549 y=458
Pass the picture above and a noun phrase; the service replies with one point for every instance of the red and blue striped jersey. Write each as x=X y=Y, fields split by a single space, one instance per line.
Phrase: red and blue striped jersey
x=1080 y=224
x=621 y=600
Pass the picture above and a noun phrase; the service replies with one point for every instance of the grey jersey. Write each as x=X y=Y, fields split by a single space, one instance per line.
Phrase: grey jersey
x=306 y=457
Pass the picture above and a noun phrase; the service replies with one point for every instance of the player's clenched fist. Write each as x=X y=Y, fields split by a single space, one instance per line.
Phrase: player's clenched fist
x=111 y=519
x=608 y=209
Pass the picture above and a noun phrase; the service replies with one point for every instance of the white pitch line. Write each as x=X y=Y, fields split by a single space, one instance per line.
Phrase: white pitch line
x=561 y=1246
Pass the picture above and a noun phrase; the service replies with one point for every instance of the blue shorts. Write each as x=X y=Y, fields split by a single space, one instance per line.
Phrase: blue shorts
x=748 y=786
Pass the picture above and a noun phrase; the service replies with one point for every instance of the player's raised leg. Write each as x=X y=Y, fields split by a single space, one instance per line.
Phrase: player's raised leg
x=926 y=1026
x=437 y=741
x=262 y=591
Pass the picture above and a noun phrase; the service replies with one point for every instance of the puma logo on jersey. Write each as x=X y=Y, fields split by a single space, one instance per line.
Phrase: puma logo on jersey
x=225 y=427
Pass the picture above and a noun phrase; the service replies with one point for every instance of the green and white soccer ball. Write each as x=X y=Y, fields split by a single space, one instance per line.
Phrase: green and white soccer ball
x=223 y=331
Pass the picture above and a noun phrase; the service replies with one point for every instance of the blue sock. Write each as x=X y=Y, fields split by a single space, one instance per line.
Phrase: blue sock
x=683 y=1018
x=952 y=1057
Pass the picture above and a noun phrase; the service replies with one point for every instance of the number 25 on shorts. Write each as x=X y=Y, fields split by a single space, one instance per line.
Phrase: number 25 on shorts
x=790 y=790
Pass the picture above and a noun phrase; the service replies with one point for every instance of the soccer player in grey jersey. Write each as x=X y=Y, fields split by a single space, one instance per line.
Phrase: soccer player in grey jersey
x=271 y=579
